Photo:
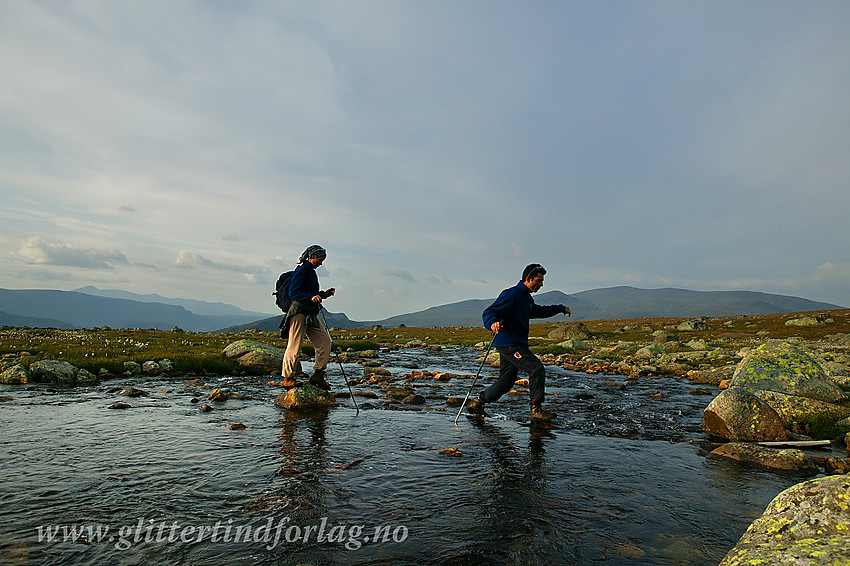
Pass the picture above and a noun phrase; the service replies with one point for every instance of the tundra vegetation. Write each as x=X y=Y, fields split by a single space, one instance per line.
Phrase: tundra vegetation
x=638 y=347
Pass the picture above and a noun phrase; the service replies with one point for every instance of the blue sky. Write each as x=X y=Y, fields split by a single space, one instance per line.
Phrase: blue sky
x=194 y=149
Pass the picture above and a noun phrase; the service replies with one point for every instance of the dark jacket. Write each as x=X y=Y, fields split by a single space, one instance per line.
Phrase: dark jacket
x=513 y=308
x=304 y=283
x=303 y=286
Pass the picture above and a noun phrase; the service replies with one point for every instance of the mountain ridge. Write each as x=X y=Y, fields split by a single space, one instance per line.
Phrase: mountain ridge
x=73 y=309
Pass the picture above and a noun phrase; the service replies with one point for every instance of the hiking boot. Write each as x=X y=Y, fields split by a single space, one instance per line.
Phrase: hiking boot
x=476 y=407
x=290 y=382
x=538 y=413
x=319 y=381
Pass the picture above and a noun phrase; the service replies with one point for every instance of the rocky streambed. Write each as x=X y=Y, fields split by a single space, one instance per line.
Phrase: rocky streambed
x=640 y=384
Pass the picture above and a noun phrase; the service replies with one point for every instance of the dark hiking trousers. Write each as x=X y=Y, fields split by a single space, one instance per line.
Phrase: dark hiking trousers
x=511 y=361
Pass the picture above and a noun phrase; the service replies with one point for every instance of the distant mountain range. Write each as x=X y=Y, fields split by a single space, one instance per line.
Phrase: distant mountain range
x=612 y=302
x=76 y=309
x=91 y=307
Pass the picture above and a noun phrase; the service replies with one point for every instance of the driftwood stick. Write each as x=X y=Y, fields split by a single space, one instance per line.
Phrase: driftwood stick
x=797 y=443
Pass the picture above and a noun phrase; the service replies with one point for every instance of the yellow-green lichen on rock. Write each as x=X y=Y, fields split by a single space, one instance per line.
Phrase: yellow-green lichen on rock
x=255 y=357
x=783 y=368
x=805 y=524
x=737 y=414
x=795 y=409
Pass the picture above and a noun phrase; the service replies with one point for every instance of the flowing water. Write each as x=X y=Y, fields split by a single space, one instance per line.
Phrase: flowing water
x=623 y=480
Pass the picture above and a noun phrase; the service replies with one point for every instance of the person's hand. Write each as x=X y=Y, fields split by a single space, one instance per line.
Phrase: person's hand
x=317 y=299
x=567 y=311
x=330 y=292
x=496 y=327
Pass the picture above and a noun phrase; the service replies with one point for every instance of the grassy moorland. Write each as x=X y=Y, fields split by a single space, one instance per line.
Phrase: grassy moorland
x=625 y=346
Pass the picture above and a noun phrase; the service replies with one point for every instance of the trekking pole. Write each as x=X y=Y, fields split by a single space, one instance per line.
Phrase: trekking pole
x=350 y=392
x=483 y=360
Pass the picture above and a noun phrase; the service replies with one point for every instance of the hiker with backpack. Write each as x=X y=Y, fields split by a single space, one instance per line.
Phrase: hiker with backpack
x=304 y=299
x=508 y=318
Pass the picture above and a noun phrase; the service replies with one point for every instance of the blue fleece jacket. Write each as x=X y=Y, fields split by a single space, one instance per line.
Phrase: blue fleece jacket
x=514 y=307
x=304 y=283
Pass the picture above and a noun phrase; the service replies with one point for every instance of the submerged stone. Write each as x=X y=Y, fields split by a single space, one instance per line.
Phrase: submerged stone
x=789 y=459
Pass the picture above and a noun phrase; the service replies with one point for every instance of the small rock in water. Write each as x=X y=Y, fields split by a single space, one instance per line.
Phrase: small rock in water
x=133 y=392
x=454 y=401
x=414 y=400
x=835 y=466
x=219 y=395
x=453 y=451
x=120 y=406
x=205 y=408
x=237 y=426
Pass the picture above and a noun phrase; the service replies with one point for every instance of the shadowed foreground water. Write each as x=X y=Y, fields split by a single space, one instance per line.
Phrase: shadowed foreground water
x=624 y=481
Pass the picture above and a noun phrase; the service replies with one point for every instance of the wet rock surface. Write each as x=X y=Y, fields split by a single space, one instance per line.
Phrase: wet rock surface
x=807 y=524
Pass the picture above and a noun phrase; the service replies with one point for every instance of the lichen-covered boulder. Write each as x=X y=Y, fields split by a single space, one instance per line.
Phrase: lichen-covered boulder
x=789 y=459
x=15 y=375
x=781 y=367
x=692 y=326
x=308 y=396
x=806 y=321
x=737 y=414
x=805 y=524
x=63 y=374
x=255 y=357
x=575 y=330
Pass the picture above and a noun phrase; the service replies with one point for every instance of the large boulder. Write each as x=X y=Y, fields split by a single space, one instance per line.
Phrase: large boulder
x=63 y=374
x=575 y=330
x=737 y=414
x=692 y=326
x=807 y=321
x=789 y=459
x=308 y=396
x=805 y=524
x=781 y=367
x=255 y=357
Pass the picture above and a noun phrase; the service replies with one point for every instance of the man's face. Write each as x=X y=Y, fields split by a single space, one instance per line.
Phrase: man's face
x=534 y=283
x=317 y=261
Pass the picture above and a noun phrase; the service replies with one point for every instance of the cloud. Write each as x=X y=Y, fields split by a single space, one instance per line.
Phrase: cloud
x=38 y=252
x=400 y=273
x=230 y=238
x=190 y=261
x=438 y=280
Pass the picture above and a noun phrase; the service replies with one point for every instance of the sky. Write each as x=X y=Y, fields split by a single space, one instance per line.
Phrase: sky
x=194 y=149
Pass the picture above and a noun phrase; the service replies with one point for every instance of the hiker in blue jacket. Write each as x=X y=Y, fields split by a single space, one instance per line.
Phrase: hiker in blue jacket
x=302 y=317
x=508 y=318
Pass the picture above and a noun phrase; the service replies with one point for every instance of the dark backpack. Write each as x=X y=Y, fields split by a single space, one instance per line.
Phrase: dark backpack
x=282 y=298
